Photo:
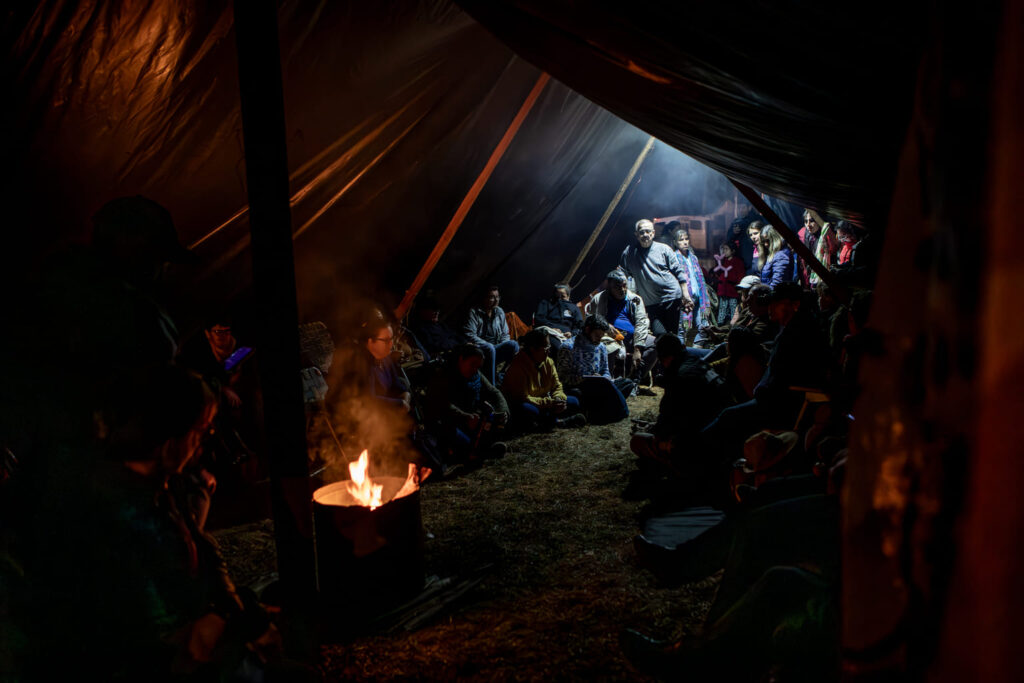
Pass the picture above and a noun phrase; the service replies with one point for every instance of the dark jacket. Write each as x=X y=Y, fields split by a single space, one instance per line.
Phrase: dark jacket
x=451 y=397
x=693 y=397
x=800 y=357
x=434 y=338
x=561 y=315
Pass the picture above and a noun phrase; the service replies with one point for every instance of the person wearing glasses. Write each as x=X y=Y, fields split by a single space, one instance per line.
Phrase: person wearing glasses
x=388 y=383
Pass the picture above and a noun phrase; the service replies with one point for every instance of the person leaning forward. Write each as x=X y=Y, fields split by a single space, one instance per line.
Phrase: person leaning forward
x=625 y=311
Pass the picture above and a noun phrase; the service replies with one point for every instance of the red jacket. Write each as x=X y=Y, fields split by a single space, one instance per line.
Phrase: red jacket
x=727 y=282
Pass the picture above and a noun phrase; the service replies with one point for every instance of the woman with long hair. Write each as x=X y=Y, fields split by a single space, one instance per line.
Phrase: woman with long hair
x=776 y=259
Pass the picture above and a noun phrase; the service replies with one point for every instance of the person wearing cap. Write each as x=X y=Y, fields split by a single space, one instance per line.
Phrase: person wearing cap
x=659 y=277
x=625 y=312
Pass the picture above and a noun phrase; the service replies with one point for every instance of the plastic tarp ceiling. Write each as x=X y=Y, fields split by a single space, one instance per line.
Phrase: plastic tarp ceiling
x=392 y=109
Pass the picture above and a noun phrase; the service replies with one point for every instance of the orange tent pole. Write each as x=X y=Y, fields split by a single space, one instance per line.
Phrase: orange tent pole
x=470 y=198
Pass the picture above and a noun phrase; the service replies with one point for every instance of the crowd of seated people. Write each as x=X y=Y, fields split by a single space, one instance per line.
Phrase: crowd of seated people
x=755 y=425
x=170 y=604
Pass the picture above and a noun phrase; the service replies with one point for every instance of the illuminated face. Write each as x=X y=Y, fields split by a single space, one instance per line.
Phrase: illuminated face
x=379 y=345
x=811 y=224
x=726 y=250
x=491 y=300
x=755 y=235
x=683 y=241
x=617 y=289
x=220 y=338
x=645 y=236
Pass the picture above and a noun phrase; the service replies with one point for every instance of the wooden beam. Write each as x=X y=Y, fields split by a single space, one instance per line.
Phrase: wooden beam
x=273 y=266
x=793 y=240
x=611 y=209
x=470 y=198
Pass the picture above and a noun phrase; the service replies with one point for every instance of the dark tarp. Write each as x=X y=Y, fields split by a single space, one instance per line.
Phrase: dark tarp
x=805 y=101
x=392 y=109
x=387 y=130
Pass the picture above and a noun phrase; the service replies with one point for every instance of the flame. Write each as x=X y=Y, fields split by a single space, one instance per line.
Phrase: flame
x=361 y=486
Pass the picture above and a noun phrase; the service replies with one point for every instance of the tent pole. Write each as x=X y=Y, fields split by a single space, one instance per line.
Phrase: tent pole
x=611 y=208
x=793 y=240
x=273 y=274
x=470 y=198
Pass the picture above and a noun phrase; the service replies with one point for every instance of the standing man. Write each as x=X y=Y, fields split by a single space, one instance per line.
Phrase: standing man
x=487 y=328
x=658 y=276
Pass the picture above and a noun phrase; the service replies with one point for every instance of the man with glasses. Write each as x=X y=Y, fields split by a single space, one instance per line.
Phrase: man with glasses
x=487 y=328
x=659 y=279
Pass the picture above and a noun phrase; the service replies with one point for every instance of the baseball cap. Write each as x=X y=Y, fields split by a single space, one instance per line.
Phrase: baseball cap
x=748 y=281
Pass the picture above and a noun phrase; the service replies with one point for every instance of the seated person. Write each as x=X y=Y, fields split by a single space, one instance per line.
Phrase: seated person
x=533 y=390
x=744 y=364
x=387 y=382
x=583 y=369
x=625 y=312
x=487 y=328
x=693 y=397
x=755 y=315
x=158 y=597
x=433 y=336
x=462 y=408
x=799 y=358
x=559 y=313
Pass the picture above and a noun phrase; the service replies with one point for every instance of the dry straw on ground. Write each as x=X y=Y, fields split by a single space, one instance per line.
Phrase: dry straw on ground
x=550 y=527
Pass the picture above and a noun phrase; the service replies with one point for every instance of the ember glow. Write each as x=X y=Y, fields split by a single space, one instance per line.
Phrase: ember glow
x=361 y=487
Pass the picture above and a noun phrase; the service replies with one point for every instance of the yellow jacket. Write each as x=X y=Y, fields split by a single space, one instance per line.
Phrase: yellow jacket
x=526 y=381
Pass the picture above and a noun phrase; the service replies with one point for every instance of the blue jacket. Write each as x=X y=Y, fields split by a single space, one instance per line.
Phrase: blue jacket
x=780 y=269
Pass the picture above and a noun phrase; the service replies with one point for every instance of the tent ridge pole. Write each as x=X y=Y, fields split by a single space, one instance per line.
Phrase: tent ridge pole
x=470 y=198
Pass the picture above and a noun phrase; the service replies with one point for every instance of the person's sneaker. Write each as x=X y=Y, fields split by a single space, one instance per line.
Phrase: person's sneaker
x=577 y=420
x=497 y=449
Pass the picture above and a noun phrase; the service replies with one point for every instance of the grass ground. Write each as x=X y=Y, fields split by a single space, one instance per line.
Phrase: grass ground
x=550 y=528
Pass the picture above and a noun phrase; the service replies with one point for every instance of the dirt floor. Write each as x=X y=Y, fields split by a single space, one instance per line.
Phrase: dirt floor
x=550 y=532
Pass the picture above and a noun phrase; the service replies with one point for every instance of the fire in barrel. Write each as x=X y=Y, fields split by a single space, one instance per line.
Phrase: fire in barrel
x=369 y=538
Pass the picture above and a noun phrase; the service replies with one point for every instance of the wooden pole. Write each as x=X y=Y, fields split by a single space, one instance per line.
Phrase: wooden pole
x=793 y=240
x=610 y=210
x=273 y=266
x=470 y=198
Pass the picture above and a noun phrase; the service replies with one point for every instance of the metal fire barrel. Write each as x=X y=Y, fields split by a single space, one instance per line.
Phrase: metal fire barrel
x=369 y=560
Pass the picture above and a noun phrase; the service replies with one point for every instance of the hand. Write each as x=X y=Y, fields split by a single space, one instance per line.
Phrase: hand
x=636 y=355
x=472 y=421
x=231 y=397
x=687 y=305
x=407 y=401
x=558 y=407
x=203 y=635
x=501 y=418
x=208 y=480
